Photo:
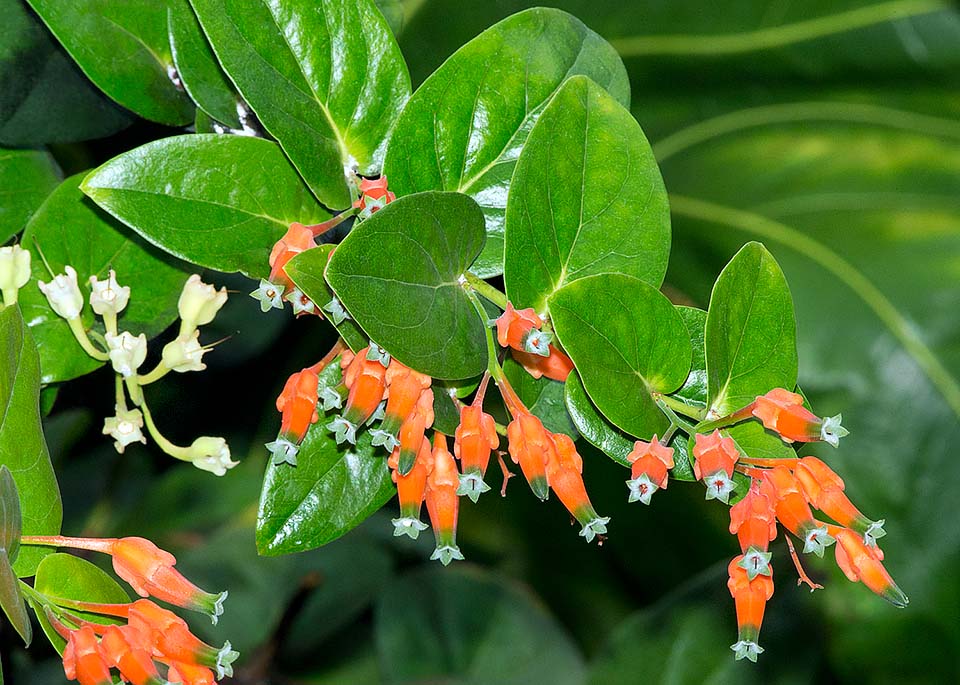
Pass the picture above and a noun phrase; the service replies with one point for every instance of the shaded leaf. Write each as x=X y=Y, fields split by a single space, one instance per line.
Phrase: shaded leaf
x=217 y=201
x=11 y=600
x=398 y=274
x=26 y=177
x=592 y=425
x=694 y=389
x=11 y=523
x=586 y=198
x=465 y=126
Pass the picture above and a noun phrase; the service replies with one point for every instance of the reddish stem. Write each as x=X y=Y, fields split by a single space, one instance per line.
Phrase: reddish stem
x=507 y=474
x=803 y=577
x=104 y=545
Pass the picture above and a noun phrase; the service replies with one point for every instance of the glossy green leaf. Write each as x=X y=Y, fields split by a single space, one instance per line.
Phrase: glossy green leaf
x=220 y=202
x=70 y=230
x=694 y=389
x=627 y=342
x=26 y=177
x=95 y=33
x=465 y=126
x=22 y=447
x=39 y=82
x=11 y=521
x=331 y=490
x=446 y=414
x=306 y=272
x=756 y=442
x=398 y=274
x=586 y=198
x=543 y=396
x=326 y=79
x=11 y=600
x=592 y=425
x=751 y=333
x=69 y=577
x=466 y=626
x=198 y=68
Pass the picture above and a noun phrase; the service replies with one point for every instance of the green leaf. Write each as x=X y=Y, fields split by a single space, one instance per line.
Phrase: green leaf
x=398 y=274
x=462 y=625
x=198 y=69
x=446 y=414
x=11 y=600
x=751 y=333
x=465 y=126
x=627 y=342
x=220 y=202
x=27 y=177
x=543 y=396
x=592 y=425
x=306 y=272
x=586 y=198
x=694 y=389
x=326 y=79
x=69 y=577
x=70 y=230
x=39 y=82
x=330 y=491
x=11 y=521
x=22 y=447
x=95 y=33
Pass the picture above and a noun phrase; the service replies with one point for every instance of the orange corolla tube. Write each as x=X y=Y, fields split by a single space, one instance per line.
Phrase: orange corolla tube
x=556 y=365
x=782 y=411
x=750 y=596
x=823 y=489
x=532 y=447
x=297 y=239
x=297 y=405
x=189 y=674
x=858 y=561
x=475 y=439
x=520 y=330
x=82 y=660
x=374 y=196
x=754 y=521
x=123 y=648
x=442 y=501
x=564 y=474
x=404 y=387
x=650 y=466
x=411 y=488
x=365 y=379
x=715 y=457
x=413 y=429
x=794 y=512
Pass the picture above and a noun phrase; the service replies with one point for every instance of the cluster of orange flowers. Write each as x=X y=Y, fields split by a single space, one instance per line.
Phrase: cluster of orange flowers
x=152 y=638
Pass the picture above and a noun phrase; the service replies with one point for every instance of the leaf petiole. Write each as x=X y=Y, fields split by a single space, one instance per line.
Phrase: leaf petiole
x=486 y=290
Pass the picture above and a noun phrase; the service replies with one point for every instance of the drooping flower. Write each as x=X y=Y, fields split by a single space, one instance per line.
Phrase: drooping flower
x=82 y=660
x=126 y=428
x=651 y=462
x=782 y=411
x=189 y=674
x=474 y=440
x=374 y=196
x=555 y=365
x=411 y=488
x=442 y=501
x=198 y=304
x=520 y=330
x=14 y=271
x=297 y=239
x=63 y=294
x=123 y=648
x=107 y=297
x=366 y=391
x=794 y=512
x=127 y=352
x=859 y=561
x=754 y=521
x=404 y=387
x=564 y=474
x=823 y=488
x=297 y=405
x=211 y=454
x=715 y=457
x=532 y=447
x=750 y=596
x=184 y=354
x=412 y=431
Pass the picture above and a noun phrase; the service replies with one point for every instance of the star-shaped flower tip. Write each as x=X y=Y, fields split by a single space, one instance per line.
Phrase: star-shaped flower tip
x=873 y=532
x=385 y=438
x=336 y=311
x=301 y=303
x=472 y=485
x=283 y=451
x=446 y=553
x=641 y=489
x=719 y=486
x=817 y=540
x=343 y=430
x=832 y=431
x=592 y=529
x=756 y=562
x=538 y=342
x=269 y=295
x=408 y=525
x=331 y=399
x=746 y=649
x=375 y=353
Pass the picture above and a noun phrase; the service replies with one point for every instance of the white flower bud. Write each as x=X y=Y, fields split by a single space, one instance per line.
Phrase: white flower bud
x=211 y=454
x=64 y=294
x=184 y=354
x=14 y=271
x=126 y=428
x=127 y=352
x=107 y=297
x=199 y=304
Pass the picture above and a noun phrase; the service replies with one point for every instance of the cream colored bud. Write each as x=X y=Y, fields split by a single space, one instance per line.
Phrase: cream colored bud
x=211 y=454
x=64 y=294
x=199 y=304
x=107 y=297
x=184 y=354
x=127 y=352
x=125 y=428
x=14 y=271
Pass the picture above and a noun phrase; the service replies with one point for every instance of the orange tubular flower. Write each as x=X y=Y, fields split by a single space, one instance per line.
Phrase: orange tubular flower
x=82 y=660
x=412 y=430
x=374 y=196
x=123 y=648
x=754 y=521
x=794 y=513
x=190 y=674
x=367 y=388
x=859 y=561
x=532 y=447
x=476 y=437
x=564 y=475
x=750 y=596
x=555 y=365
x=824 y=490
x=715 y=457
x=170 y=638
x=297 y=405
x=520 y=330
x=410 y=489
x=783 y=411
x=404 y=387
x=649 y=473
x=442 y=501
x=297 y=239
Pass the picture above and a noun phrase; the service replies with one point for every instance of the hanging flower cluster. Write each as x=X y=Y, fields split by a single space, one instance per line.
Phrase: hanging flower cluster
x=154 y=646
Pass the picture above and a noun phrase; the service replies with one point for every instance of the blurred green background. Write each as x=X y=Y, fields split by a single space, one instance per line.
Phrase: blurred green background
x=830 y=131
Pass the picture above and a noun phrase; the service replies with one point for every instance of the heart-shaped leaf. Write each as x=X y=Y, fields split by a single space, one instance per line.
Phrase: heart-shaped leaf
x=751 y=333
x=586 y=198
x=326 y=79
x=69 y=229
x=465 y=126
x=22 y=447
x=27 y=177
x=543 y=396
x=592 y=425
x=399 y=275
x=627 y=341
x=330 y=491
x=216 y=201
x=95 y=33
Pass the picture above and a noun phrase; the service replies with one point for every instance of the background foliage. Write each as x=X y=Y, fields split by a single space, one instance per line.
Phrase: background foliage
x=827 y=130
